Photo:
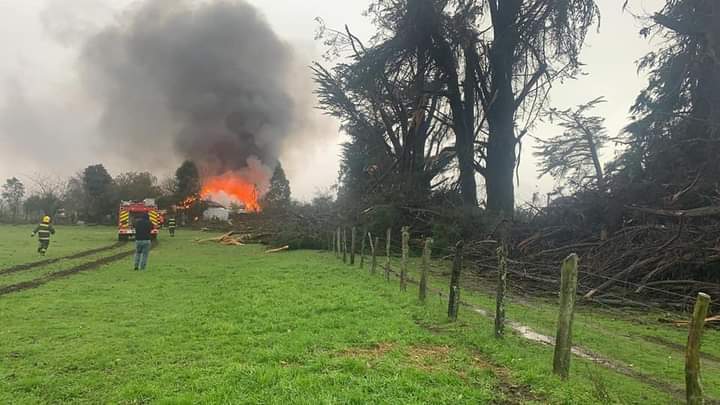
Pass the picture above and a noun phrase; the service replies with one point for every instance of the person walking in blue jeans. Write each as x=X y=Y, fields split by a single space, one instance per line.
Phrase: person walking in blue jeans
x=143 y=227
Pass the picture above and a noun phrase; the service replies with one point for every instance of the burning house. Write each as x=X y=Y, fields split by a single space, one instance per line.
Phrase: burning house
x=216 y=212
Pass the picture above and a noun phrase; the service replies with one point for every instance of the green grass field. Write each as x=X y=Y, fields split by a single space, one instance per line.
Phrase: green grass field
x=216 y=324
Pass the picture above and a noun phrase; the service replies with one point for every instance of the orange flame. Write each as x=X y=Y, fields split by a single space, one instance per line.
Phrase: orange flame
x=186 y=203
x=235 y=187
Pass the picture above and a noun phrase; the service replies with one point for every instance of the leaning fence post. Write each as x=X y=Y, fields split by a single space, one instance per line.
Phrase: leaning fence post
x=353 y=231
x=563 y=340
x=454 y=300
x=427 y=250
x=344 y=245
x=375 y=246
x=693 y=386
x=405 y=254
x=387 y=251
x=501 y=288
x=362 y=248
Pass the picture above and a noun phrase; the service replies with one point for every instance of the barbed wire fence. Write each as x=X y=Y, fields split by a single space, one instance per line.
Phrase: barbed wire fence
x=572 y=286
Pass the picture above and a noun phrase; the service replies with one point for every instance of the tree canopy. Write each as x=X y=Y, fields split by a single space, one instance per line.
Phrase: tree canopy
x=137 y=186
x=453 y=81
x=573 y=157
x=187 y=181
x=100 y=192
x=13 y=192
x=674 y=139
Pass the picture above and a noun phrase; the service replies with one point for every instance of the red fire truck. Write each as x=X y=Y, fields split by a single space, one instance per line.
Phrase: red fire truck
x=130 y=210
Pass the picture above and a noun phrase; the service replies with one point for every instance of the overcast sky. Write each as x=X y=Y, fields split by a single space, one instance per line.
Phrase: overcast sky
x=43 y=103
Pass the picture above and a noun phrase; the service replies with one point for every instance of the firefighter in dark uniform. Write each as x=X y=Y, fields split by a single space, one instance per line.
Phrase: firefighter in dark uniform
x=43 y=231
x=171 y=225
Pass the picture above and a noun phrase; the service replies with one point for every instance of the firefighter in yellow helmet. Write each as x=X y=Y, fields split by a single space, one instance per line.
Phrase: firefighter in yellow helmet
x=43 y=231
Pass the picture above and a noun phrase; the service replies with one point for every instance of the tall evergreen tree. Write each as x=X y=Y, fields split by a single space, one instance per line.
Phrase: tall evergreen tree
x=278 y=195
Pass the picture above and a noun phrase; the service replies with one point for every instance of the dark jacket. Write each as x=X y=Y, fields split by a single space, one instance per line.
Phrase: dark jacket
x=143 y=226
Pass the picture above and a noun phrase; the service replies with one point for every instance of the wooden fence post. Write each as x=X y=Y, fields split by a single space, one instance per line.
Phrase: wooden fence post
x=427 y=251
x=362 y=248
x=353 y=232
x=405 y=256
x=375 y=246
x=693 y=386
x=454 y=298
x=563 y=340
x=337 y=241
x=501 y=288
x=344 y=245
x=387 y=251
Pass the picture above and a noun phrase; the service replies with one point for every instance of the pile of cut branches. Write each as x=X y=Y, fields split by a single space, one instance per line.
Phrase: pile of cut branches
x=661 y=260
x=232 y=239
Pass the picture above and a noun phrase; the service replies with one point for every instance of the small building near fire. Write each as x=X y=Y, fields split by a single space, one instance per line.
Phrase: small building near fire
x=216 y=212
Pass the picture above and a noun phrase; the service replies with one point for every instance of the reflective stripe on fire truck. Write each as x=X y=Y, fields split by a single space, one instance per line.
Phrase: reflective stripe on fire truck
x=124 y=218
x=155 y=218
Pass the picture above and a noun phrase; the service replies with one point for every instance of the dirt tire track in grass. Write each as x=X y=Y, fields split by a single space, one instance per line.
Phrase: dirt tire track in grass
x=79 y=255
x=26 y=285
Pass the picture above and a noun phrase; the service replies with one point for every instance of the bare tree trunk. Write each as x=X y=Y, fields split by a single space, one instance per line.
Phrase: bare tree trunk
x=463 y=113
x=501 y=163
x=501 y=113
x=595 y=159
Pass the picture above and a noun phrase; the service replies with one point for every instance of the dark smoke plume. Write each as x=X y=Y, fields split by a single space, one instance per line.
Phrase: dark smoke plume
x=208 y=80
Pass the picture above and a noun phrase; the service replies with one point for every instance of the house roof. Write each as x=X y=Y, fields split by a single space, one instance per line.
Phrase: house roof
x=213 y=204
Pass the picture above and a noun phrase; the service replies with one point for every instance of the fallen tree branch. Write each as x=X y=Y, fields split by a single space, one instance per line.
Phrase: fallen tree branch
x=691 y=213
x=281 y=249
x=612 y=281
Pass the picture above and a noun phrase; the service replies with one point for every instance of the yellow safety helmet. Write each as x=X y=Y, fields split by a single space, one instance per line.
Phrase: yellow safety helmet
x=46 y=219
